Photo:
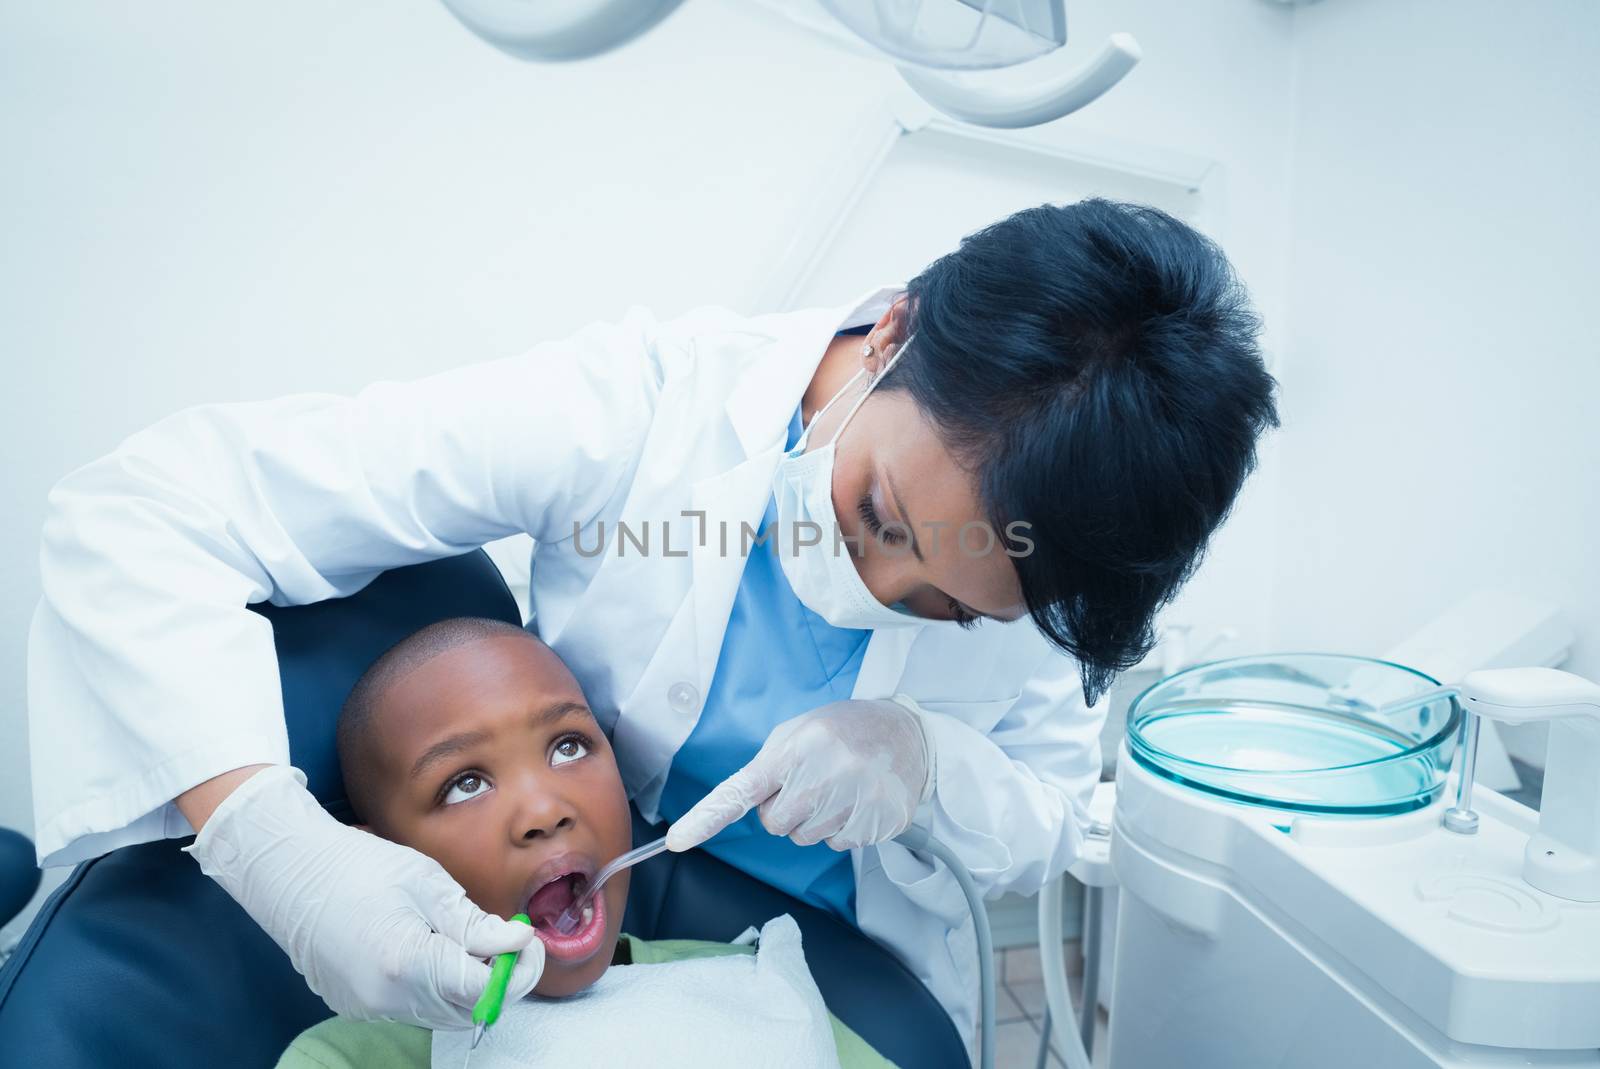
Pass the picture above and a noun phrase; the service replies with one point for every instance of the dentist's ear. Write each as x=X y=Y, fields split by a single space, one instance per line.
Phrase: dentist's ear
x=885 y=339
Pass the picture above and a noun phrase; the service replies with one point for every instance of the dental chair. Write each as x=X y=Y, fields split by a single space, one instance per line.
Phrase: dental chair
x=138 y=959
x=19 y=877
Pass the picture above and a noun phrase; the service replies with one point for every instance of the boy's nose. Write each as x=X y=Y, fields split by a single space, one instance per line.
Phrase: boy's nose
x=543 y=814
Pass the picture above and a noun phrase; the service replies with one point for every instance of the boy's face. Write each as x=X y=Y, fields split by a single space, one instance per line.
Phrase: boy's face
x=495 y=768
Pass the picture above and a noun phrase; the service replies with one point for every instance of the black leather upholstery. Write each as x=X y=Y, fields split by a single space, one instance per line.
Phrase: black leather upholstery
x=19 y=876
x=139 y=960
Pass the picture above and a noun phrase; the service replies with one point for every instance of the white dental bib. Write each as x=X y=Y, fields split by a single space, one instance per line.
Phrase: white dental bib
x=736 y=1010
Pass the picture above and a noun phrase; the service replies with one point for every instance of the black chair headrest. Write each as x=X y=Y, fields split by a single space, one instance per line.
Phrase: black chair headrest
x=139 y=959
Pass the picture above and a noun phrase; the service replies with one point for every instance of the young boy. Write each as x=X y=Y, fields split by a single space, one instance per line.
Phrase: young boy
x=470 y=742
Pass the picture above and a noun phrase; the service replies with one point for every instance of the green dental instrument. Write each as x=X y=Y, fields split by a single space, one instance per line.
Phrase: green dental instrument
x=487 y=1009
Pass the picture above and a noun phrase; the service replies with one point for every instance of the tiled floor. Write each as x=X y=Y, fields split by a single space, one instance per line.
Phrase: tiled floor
x=1019 y=1009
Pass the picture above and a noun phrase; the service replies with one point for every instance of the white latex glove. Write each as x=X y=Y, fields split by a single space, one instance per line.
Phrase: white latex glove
x=849 y=774
x=377 y=929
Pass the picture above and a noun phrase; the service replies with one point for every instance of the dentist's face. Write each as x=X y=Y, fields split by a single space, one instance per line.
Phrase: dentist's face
x=905 y=499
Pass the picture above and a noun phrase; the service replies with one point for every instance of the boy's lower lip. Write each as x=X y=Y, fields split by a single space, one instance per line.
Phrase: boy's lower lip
x=582 y=943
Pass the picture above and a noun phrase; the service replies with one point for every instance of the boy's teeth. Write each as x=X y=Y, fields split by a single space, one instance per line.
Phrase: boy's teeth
x=588 y=913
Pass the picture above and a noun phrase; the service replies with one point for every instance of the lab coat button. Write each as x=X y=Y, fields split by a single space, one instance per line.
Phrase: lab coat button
x=683 y=698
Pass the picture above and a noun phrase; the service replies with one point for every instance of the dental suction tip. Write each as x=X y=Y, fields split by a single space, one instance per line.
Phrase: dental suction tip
x=477 y=1036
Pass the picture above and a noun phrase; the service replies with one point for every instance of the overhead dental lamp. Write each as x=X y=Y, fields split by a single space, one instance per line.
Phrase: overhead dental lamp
x=937 y=45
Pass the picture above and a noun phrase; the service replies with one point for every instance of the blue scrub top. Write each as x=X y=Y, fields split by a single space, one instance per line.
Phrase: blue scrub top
x=779 y=659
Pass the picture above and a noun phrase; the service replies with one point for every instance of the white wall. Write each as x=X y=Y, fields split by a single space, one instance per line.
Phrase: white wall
x=1441 y=430
x=205 y=204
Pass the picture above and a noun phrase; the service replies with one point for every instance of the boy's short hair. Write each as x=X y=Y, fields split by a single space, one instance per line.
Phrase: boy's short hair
x=355 y=734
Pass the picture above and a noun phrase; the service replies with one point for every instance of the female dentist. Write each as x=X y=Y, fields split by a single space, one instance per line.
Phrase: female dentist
x=983 y=487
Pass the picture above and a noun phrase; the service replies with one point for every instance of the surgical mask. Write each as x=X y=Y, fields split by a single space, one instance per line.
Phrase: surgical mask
x=823 y=576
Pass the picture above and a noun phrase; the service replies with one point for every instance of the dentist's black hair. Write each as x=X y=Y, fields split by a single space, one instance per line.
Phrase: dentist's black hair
x=1096 y=366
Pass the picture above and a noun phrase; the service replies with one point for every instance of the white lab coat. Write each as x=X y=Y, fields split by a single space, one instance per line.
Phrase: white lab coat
x=147 y=675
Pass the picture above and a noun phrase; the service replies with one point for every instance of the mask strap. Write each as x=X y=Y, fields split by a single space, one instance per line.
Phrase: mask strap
x=823 y=411
x=871 y=383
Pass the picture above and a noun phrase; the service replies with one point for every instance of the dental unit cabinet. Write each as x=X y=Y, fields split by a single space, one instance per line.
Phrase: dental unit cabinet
x=1293 y=902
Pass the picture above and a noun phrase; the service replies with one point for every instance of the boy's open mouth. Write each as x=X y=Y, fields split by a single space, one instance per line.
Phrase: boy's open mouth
x=550 y=900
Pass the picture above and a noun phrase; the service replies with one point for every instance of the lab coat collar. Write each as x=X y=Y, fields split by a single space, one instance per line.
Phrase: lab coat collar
x=760 y=405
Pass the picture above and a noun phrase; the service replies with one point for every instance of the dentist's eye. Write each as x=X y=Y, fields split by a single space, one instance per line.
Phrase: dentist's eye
x=890 y=535
x=961 y=616
x=464 y=787
x=568 y=748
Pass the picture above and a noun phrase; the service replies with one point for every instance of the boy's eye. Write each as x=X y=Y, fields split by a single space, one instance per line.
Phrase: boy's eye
x=568 y=749
x=467 y=786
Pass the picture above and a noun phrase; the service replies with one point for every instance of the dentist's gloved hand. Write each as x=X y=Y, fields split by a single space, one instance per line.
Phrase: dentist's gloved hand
x=850 y=774
x=377 y=929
